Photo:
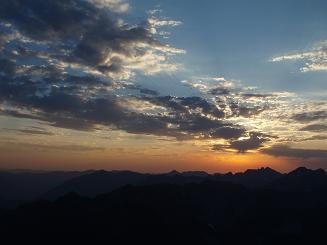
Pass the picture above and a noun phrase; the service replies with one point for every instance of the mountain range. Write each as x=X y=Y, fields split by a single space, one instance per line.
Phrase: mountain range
x=17 y=187
x=258 y=206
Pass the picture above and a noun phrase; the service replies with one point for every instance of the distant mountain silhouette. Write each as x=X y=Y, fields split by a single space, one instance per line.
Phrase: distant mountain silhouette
x=99 y=182
x=16 y=187
x=96 y=183
x=28 y=185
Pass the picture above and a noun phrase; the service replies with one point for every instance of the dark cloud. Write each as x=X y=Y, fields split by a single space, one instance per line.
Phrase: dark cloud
x=244 y=111
x=50 y=147
x=73 y=112
x=77 y=33
x=315 y=128
x=53 y=119
x=219 y=91
x=30 y=131
x=286 y=151
x=205 y=106
x=185 y=104
x=256 y=95
x=251 y=140
x=17 y=114
x=144 y=91
x=46 y=19
x=310 y=116
x=67 y=122
x=254 y=141
x=228 y=133
x=149 y=91
x=317 y=137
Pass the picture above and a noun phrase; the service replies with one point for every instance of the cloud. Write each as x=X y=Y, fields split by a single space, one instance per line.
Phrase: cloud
x=80 y=35
x=315 y=128
x=65 y=64
x=244 y=111
x=18 y=114
x=247 y=140
x=155 y=23
x=181 y=117
x=187 y=105
x=49 y=147
x=149 y=91
x=317 y=137
x=286 y=151
x=32 y=131
x=256 y=95
x=315 y=58
x=310 y=116
x=234 y=99
x=254 y=141
x=228 y=133
x=119 y=6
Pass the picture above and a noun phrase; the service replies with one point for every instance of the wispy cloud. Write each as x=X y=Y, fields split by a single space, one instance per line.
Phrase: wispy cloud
x=315 y=58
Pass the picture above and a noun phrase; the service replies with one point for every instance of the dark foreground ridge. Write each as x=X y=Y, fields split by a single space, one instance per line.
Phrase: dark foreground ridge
x=255 y=207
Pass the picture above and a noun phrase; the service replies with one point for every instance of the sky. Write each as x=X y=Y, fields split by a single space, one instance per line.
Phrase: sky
x=153 y=85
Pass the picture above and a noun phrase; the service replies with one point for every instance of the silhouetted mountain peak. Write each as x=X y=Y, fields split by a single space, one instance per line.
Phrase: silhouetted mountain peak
x=299 y=170
x=303 y=171
x=263 y=170
x=321 y=171
x=173 y=173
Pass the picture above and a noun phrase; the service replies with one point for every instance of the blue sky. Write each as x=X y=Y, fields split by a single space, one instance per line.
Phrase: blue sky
x=236 y=39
